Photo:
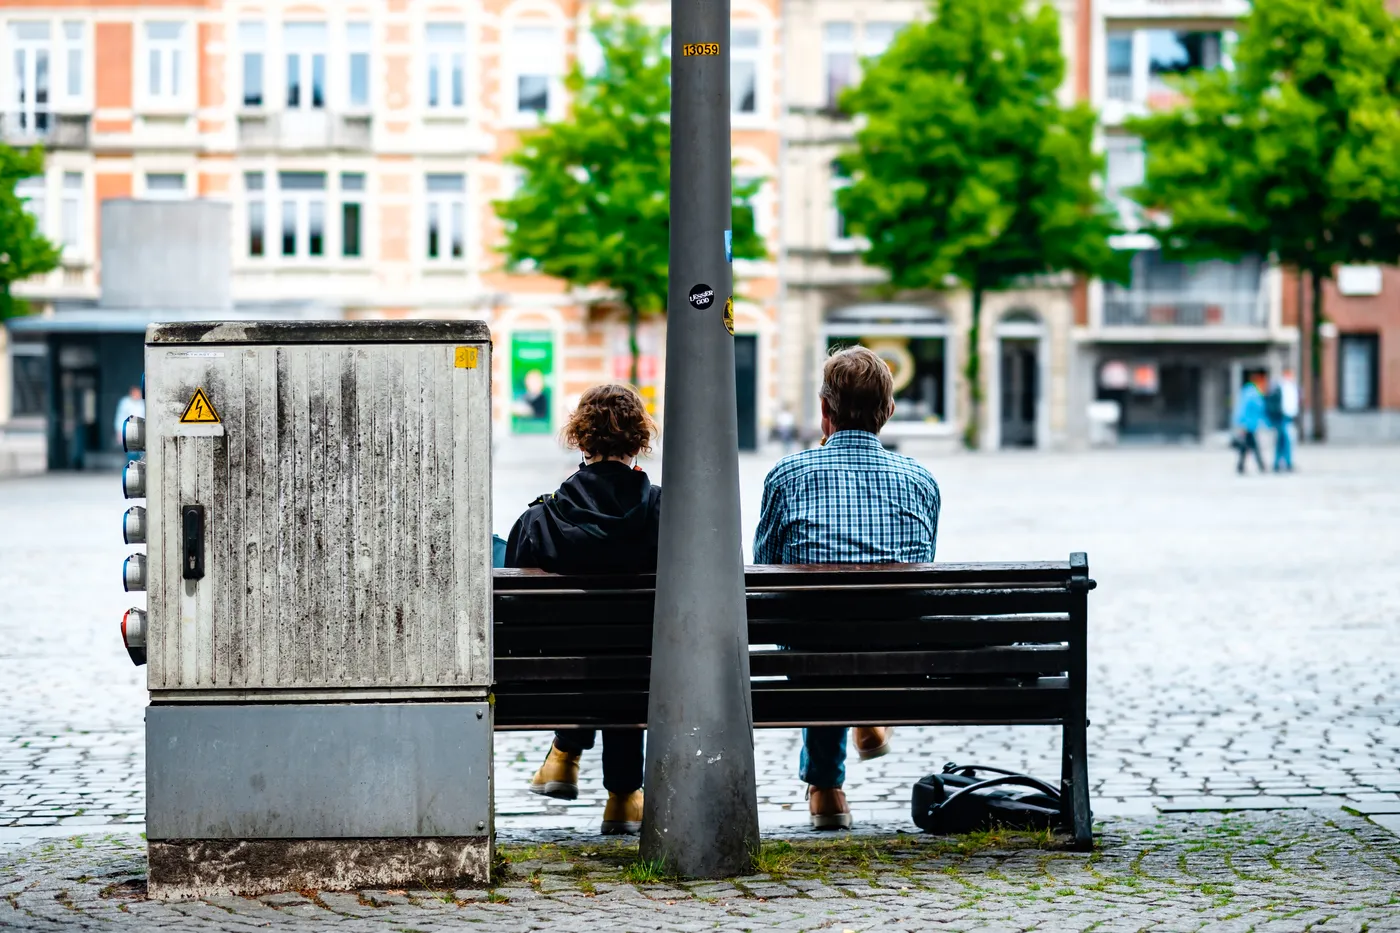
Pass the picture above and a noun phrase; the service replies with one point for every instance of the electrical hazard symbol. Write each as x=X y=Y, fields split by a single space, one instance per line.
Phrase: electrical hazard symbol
x=199 y=411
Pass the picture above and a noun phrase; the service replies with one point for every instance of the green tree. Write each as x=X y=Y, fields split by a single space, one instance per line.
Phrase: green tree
x=23 y=250
x=1293 y=155
x=593 y=207
x=968 y=171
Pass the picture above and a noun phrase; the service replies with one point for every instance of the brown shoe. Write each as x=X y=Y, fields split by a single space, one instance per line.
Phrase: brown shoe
x=558 y=776
x=623 y=814
x=872 y=741
x=828 y=808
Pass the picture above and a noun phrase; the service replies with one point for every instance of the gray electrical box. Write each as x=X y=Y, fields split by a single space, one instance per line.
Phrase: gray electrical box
x=318 y=631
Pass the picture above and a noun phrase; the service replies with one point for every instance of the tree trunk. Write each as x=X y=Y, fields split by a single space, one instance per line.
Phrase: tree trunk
x=634 y=318
x=1319 y=404
x=972 y=372
x=1302 y=364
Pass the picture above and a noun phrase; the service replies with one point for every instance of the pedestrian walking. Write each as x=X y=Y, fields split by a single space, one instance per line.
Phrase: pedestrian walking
x=1249 y=417
x=1286 y=391
x=606 y=518
x=132 y=405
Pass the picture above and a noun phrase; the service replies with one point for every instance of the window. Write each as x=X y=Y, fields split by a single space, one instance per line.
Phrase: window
x=447 y=62
x=446 y=215
x=165 y=186
x=72 y=210
x=590 y=54
x=352 y=186
x=303 y=196
x=306 y=65
x=841 y=238
x=1127 y=165
x=30 y=366
x=1358 y=373
x=1120 y=66
x=744 y=51
x=877 y=38
x=164 y=61
x=74 y=54
x=33 y=193
x=357 y=40
x=31 y=76
x=535 y=56
x=838 y=59
x=257 y=214
x=252 y=37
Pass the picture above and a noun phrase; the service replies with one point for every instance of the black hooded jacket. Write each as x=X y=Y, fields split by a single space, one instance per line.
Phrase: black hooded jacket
x=604 y=519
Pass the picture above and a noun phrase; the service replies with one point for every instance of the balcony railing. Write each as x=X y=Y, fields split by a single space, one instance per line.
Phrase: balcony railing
x=53 y=130
x=310 y=130
x=1120 y=87
x=1128 y=308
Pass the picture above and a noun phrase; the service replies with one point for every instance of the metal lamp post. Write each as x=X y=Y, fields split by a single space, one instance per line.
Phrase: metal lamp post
x=701 y=815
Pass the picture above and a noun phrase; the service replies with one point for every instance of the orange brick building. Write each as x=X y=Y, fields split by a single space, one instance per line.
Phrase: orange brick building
x=360 y=145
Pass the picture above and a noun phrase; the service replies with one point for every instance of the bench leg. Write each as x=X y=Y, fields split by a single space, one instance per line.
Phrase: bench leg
x=1074 y=780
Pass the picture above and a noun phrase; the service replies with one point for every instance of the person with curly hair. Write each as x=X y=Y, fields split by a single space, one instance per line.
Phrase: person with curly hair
x=605 y=518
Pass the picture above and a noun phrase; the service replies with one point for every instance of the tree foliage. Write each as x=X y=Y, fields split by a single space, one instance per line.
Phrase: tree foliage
x=1294 y=154
x=23 y=250
x=967 y=170
x=593 y=206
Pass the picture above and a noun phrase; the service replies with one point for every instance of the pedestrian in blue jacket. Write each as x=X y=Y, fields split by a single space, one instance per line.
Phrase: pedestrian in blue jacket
x=1249 y=418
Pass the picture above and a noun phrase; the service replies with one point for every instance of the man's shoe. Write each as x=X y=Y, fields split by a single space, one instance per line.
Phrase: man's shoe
x=872 y=741
x=623 y=814
x=558 y=776
x=828 y=808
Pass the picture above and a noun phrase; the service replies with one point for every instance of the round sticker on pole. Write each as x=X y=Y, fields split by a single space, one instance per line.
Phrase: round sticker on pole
x=701 y=297
x=729 y=315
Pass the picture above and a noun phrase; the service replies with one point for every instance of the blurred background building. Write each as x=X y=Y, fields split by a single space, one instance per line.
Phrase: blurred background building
x=356 y=147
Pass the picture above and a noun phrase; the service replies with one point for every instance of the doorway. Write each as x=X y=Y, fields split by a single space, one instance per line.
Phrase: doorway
x=78 y=429
x=746 y=388
x=1020 y=391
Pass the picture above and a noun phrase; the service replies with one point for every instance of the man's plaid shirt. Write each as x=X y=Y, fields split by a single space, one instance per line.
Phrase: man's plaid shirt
x=850 y=501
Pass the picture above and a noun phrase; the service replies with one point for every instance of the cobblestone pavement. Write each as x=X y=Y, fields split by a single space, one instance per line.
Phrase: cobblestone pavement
x=1243 y=872
x=1242 y=640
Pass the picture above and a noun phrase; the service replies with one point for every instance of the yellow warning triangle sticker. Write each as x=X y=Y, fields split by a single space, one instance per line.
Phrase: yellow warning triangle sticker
x=199 y=411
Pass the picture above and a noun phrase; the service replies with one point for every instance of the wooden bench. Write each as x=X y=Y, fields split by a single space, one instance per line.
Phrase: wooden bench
x=864 y=644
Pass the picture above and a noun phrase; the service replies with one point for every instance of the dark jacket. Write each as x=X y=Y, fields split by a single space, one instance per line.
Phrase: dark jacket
x=604 y=519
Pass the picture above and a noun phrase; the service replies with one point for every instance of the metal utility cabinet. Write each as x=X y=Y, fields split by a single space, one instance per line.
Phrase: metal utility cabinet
x=318 y=630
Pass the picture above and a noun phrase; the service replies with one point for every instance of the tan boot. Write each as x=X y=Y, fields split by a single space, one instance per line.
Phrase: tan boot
x=623 y=814
x=558 y=776
x=828 y=807
x=872 y=741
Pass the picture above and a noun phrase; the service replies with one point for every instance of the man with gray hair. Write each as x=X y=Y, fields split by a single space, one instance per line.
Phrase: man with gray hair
x=847 y=501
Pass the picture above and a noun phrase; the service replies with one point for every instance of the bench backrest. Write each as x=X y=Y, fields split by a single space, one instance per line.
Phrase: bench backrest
x=838 y=644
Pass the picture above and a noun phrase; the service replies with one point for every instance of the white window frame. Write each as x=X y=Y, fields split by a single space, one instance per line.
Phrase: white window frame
x=304 y=202
x=258 y=193
x=837 y=240
x=762 y=201
x=33 y=118
x=34 y=193
x=72 y=219
x=161 y=193
x=309 y=42
x=359 y=40
x=74 y=50
x=352 y=195
x=252 y=40
x=834 y=45
x=175 y=64
x=533 y=49
x=442 y=60
x=755 y=55
x=448 y=209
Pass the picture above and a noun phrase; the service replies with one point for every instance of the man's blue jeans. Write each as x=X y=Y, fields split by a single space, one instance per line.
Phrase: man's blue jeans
x=824 y=756
x=1283 y=445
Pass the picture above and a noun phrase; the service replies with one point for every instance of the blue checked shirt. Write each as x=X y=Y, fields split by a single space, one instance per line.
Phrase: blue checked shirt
x=850 y=501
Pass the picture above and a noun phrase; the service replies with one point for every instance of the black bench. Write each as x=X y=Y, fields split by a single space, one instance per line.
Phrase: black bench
x=868 y=644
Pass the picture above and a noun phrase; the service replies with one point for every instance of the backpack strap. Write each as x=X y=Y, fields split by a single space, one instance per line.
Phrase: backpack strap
x=1023 y=780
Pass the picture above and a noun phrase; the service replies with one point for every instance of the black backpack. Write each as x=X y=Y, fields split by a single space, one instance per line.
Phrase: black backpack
x=958 y=800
